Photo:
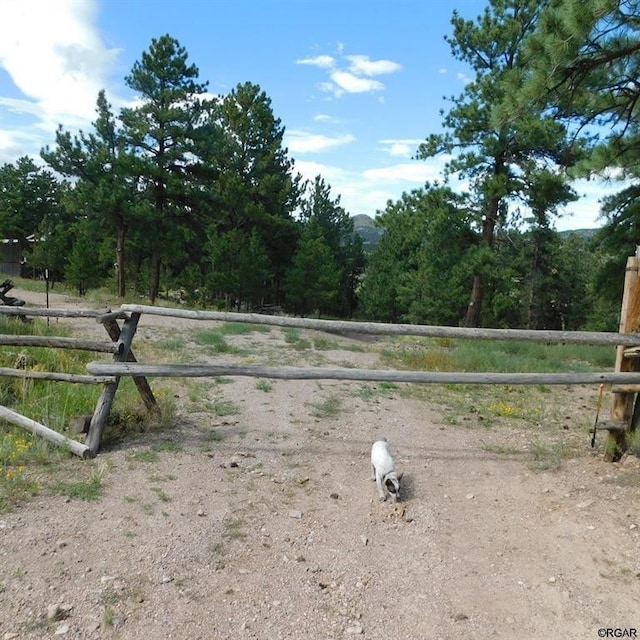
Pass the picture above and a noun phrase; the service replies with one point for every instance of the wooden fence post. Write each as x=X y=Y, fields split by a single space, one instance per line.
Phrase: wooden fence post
x=622 y=405
x=103 y=408
x=113 y=329
x=13 y=417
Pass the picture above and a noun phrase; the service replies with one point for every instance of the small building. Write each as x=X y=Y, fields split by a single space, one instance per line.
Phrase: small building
x=10 y=258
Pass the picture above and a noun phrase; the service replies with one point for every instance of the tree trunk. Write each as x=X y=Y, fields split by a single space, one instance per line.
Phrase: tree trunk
x=472 y=317
x=154 y=286
x=120 y=279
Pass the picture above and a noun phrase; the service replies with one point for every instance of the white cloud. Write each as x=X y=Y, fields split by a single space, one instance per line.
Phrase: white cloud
x=369 y=191
x=54 y=56
x=303 y=142
x=405 y=147
x=11 y=146
x=351 y=83
x=585 y=212
x=418 y=172
x=327 y=87
x=363 y=65
x=15 y=105
x=357 y=195
x=324 y=61
x=351 y=74
x=333 y=175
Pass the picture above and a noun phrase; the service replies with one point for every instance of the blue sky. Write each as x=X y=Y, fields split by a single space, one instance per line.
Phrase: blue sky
x=358 y=84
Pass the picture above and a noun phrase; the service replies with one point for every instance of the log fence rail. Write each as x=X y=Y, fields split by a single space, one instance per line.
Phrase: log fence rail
x=625 y=380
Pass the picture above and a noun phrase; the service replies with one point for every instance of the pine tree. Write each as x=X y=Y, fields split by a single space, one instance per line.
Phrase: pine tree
x=494 y=149
x=336 y=227
x=313 y=278
x=28 y=195
x=161 y=134
x=256 y=187
x=584 y=65
x=104 y=187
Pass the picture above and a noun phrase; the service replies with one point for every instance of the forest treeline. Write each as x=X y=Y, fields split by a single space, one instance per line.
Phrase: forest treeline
x=190 y=192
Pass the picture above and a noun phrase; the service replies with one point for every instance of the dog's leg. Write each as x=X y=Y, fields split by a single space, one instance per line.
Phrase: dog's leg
x=381 y=492
x=373 y=472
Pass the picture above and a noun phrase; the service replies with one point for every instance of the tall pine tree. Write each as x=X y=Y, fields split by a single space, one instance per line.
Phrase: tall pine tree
x=161 y=133
x=492 y=152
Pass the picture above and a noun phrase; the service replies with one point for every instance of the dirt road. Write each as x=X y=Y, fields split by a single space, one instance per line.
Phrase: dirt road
x=254 y=516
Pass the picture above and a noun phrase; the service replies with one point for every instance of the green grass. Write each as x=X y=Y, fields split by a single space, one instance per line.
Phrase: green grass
x=500 y=449
x=217 y=553
x=162 y=495
x=224 y=408
x=242 y=328
x=215 y=342
x=264 y=385
x=50 y=403
x=209 y=437
x=56 y=404
x=233 y=529
x=90 y=489
x=28 y=465
x=498 y=356
x=143 y=455
x=293 y=338
x=168 y=446
x=384 y=389
x=328 y=408
x=633 y=442
x=548 y=456
x=323 y=344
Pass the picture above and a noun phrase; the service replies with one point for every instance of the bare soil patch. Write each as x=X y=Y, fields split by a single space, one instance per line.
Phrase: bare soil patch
x=254 y=516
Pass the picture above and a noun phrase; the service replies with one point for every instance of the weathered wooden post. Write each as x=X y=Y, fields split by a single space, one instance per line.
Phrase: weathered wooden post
x=78 y=448
x=103 y=408
x=626 y=360
x=113 y=329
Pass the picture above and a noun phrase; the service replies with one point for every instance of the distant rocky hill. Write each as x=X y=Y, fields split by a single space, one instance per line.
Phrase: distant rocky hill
x=364 y=226
x=583 y=233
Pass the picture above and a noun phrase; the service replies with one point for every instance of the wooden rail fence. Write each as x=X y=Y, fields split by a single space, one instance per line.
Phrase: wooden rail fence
x=8 y=415
x=625 y=380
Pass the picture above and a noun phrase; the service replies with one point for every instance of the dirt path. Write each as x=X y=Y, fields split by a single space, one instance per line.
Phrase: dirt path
x=264 y=523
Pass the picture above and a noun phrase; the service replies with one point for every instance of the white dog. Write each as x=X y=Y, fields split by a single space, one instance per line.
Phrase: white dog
x=383 y=471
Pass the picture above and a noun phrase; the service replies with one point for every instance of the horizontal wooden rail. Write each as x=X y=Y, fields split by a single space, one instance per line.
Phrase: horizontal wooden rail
x=107 y=316
x=377 y=328
x=51 y=313
x=18 y=419
x=60 y=343
x=368 y=375
x=31 y=374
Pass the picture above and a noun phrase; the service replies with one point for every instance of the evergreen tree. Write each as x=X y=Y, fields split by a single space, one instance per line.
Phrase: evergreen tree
x=543 y=192
x=104 y=187
x=28 y=195
x=313 y=278
x=493 y=150
x=419 y=269
x=161 y=133
x=584 y=64
x=256 y=186
x=336 y=227
x=239 y=268
x=84 y=269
